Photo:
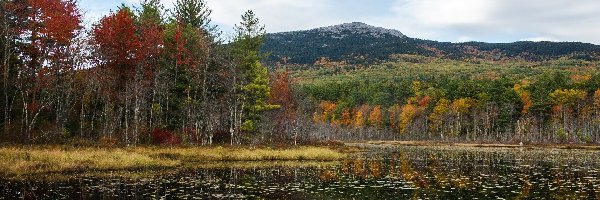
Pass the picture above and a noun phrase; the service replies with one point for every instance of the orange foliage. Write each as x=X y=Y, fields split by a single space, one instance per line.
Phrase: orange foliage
x=580 y=78
x=346 y=118
x=424 y=102
x=557 y=111
x=376 y=118
x=359 y=116
x=394 y=112
x=325 y=112
x=525 y=98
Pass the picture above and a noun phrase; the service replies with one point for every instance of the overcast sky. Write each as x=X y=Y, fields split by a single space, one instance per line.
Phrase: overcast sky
x=442 y=20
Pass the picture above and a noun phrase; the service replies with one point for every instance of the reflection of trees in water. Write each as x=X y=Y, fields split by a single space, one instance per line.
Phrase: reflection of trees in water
x=519 y=174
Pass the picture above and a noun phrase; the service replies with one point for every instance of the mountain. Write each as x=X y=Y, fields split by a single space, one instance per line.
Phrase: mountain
x=350 y=41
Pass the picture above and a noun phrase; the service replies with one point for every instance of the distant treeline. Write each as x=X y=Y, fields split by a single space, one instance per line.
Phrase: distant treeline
x=447 y=100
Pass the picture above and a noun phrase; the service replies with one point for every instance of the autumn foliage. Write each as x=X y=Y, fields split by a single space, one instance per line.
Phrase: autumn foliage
x=118 y=56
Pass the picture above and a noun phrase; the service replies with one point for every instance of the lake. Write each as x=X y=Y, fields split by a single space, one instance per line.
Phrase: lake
x=380 y=172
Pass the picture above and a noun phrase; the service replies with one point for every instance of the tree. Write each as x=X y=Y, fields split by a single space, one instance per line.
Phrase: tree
x=281 y=94
x=12 y=19
x=150 y=30
x=346 y=119
x=376 y=117
x=361 y=115
x=525 y=97
x=409 y=111
x=437 y=117
x=394 y=113
x=118 y=58
x=460 y=107
x=254 y=85
x=596 y=113
x=325 y=113
x=194 y=13
x=51 y=27
x=566 y=104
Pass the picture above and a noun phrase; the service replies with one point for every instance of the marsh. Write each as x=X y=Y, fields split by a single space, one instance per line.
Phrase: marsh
x=378 y=172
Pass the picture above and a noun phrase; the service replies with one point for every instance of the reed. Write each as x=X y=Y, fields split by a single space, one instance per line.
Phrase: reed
x=36 y=160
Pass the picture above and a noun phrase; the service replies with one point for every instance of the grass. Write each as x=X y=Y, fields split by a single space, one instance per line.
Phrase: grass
x=37 y=160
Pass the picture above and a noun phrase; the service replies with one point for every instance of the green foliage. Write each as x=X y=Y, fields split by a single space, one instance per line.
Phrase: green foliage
x=151 y=11
x=255 y=85
x=194 y=13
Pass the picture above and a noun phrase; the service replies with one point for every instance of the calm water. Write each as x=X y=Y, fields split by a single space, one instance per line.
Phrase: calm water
x=381 y=173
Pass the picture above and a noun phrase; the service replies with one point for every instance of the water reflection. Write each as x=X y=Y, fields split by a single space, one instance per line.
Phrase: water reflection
x=381 y=173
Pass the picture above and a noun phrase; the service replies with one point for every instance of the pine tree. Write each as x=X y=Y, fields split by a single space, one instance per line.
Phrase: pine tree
x=194 y=13
x=254 y=86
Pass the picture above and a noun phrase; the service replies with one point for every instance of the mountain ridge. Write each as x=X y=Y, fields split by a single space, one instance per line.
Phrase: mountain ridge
x=356 y=39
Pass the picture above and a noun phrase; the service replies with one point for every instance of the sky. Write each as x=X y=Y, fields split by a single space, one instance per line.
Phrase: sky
x=441 y=20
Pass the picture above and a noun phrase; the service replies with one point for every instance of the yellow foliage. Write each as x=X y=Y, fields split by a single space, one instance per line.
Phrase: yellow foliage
x=416 y=87
x=358 y=119
x=325 y=112
x=406 y=117
x=462 y=105
x=567 y=97
x=597 y=99
x=359 y=116
x=440 y=109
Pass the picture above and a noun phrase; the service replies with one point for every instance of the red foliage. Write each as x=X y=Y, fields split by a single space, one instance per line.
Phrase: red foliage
x=424 y=101
x=181 y=53
x=49 y=27
x=123 y=46
x=151 y=43
x=118 y=44
x=163 y=137
x=281 y=94
x=55 y=20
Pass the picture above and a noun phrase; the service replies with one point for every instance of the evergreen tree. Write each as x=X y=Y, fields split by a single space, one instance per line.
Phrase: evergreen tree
x=255 y=87
x=194 y=13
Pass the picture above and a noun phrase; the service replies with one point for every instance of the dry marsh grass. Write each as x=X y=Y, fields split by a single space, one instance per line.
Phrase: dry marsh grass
x=36 y=160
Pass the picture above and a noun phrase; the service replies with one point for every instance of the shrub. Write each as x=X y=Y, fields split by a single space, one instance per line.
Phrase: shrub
x=163 y=137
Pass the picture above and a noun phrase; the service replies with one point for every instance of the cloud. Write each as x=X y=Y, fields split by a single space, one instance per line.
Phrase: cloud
x=278 y=15
x=443 y=20
x=540 y=39
x=498 y=20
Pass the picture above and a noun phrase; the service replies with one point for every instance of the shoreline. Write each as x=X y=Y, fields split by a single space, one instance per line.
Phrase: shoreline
x=480 y=145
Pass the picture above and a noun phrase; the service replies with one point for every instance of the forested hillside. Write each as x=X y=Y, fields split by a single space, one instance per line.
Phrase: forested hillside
x=429 y=98
x=359 y=42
